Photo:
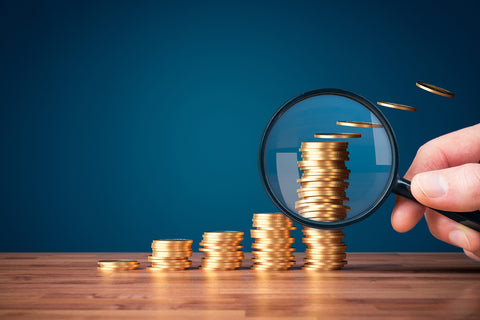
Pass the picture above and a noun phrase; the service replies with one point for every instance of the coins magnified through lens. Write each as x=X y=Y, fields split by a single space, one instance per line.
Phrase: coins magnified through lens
x=303 y=158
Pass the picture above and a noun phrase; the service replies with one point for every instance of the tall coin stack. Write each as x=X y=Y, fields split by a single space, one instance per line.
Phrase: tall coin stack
x=221 y=250
x=170 y=254
x=273 y=242
x=322 y=196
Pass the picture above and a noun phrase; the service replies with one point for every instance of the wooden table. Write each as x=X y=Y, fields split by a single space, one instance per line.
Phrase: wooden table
x=372 y=285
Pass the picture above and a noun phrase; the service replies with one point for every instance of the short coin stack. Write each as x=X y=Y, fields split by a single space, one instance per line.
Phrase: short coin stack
x=322 y=196
x=221 y=250
x=273 y=242
x=117 y=265
x=170 y=255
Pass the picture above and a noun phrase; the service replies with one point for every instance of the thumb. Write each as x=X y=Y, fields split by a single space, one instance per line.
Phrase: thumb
x=451 y=189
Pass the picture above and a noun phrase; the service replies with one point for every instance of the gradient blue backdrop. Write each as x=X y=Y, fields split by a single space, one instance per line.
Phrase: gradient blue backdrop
x=126 y=121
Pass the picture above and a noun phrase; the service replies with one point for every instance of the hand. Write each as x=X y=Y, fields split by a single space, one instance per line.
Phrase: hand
x=445 y=175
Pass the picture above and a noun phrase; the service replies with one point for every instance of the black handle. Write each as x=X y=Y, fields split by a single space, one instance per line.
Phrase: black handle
x=469 y=219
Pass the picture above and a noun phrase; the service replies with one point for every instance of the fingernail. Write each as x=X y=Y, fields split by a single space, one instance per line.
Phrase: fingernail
x=432 y=184
x=459 y=238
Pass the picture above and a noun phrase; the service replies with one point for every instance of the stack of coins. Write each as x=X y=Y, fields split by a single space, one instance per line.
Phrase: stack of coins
x=273 y=242
x=170 y=254
x=221 y=250
x=117 y=265
x=322 y=196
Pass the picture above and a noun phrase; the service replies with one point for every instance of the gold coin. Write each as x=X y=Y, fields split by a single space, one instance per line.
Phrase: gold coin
x=325 y=184
x=325 y=199
x=396 y=106
x=319 y=207
x=273 y=268
x=326 y=171
x=318 y=238
x=286 y=250
x=307 y=202
x=323 y=268
x=326 y=250
x=337 y=135
x=320 y=232
x=273 y=228
x=171 y=265
x=172 y=243
x=322 y=174
x=171 y=254
x=260 y=233
x=279 y=241
x=325 y=216
x=277 y=262
x=326 y=152
x=324 y=145
x=266 y=255
x=434 y=89
x=222 y=262
x=217 y=269
x=104 y=269
x=311 y=195
x=220 y=249
x=223 y=233
x=322 y=192
x=359 y=124
x=322 y=206
x=154 y=258
x=119 y=267
x=326 y=257
x=224 y=255
x=221 y=242
x=321 y=163
x=165 y=269
x=272 y=222
x=269 y=215
x=323 y=158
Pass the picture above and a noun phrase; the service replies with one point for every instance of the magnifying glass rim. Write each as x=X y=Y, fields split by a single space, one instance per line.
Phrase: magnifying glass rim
x=320 y=224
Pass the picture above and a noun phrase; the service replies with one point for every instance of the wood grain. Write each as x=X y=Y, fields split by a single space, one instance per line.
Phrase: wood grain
x=372 y=285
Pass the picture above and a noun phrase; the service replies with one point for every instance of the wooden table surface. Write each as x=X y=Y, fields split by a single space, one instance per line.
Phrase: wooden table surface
x=372 y=285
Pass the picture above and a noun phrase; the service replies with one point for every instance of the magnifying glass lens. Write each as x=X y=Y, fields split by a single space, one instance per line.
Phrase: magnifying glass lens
x=313 y=177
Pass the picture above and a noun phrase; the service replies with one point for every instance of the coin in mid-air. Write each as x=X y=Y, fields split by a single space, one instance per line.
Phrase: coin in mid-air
x=359 y=124
x=337 y=135
x=396 y=106
x=434 y=89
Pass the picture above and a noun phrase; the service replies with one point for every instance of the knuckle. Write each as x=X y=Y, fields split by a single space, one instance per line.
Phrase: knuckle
x=431 y=156
x=470 y=174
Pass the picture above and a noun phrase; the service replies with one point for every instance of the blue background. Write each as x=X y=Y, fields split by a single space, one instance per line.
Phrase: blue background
x=126 y=121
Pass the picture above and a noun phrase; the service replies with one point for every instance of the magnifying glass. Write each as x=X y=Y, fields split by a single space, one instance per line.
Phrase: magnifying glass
x=372 y=159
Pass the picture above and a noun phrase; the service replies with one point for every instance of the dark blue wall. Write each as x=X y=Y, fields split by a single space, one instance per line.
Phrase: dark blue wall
x=126 y=121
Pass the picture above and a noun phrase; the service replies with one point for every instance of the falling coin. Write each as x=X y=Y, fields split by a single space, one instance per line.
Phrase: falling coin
x=434 y=89
x=337 y=135
x=396 y=106
x=359 y=124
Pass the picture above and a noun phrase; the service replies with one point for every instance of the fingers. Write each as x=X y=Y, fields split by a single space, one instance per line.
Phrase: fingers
x=454 y=233
x=450 y=150
x=406 y=214
x=472 y=255
x=454 y=149
x=452 y=189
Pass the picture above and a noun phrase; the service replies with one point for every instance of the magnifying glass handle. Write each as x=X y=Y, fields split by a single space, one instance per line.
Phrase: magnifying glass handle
x=469 y=219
